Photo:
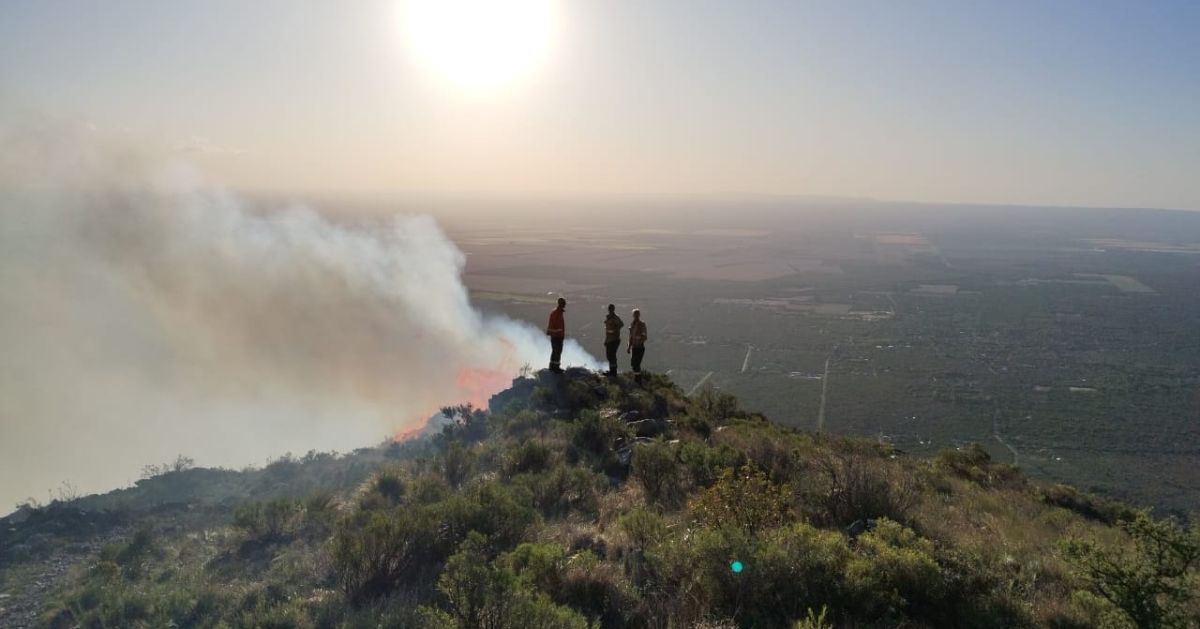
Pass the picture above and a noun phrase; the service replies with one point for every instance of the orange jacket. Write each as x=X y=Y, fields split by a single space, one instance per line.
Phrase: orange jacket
x=557 y=328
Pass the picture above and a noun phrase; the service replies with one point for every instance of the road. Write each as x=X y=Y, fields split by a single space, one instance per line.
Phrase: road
x=824 y=390
x=1000 y=438
x=700 y=384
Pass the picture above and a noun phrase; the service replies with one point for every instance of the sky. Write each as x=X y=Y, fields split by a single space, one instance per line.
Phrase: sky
x=1072 y=102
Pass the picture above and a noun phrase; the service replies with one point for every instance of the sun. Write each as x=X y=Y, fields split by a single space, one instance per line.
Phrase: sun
x=480 y=43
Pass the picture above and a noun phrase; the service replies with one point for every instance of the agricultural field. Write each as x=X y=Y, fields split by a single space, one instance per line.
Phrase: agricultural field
x=1071 y=351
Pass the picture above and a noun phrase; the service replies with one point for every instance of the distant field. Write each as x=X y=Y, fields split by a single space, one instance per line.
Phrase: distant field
x=1076 y=356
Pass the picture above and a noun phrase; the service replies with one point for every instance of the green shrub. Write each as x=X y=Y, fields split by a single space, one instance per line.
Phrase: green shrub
x=1155 y=582
x=525 y=423
x=272 y=521
x=814 y=620
x=564 y=489
x=598 y=590
x=581 y=395
x=458 y=464
x=428 y=489
x=467 y=424
x=645 y=403
x=1089 y=506
x=861 y=487
x=480 y=593
x=714 y=406
x=597 y=434
x=894 y=569
x=528 y=457
x=644 y=528
x=975 y=464
x=502 y=513
x=786 y=572
x=657 y=471
x=387 y=551
x=135 y=555
x=705 y=464
x=390 y=485
x=541 y=565
x=744 y=499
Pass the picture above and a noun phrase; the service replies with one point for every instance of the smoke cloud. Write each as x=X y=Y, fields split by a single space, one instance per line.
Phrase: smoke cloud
x=145 y=314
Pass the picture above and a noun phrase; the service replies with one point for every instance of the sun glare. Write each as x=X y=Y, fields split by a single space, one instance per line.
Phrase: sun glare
x=479 y=43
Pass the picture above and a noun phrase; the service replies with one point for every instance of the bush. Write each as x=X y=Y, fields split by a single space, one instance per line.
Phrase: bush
x=524 y=423
x=785 y=572
x=530 y=456
x=501 y=513
x=1155 y=582
x=859 y=487
x=387 y=551
x=480 y=593
x=715 y=407
x=390 y=485
x=467 y=424
x=790 y=571
x=975 y=464
x=599 y=591
x=564 y=489
x=705 y=464
x=134 y=557
x=745 y=499
x=1086 y=505
x=598 y=434
x=458 y=463
x=581 y=394
x=541 y=565
x=655 y=469
x=272 y=521
x=894 y=569
x=644 y=528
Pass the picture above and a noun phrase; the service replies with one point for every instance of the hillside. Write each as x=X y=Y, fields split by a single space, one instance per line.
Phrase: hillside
x=576 y=501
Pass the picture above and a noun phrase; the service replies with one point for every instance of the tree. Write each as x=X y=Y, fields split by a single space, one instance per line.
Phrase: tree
x=1155 y=582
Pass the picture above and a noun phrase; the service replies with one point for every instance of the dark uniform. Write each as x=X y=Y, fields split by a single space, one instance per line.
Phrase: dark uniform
x=612 y=340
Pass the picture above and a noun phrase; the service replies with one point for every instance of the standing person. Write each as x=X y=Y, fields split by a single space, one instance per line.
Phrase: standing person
x=612 y=338
x=557 y=331
x=637 y=341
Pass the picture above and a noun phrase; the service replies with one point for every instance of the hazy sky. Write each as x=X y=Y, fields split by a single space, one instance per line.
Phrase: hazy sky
x=1061 y=102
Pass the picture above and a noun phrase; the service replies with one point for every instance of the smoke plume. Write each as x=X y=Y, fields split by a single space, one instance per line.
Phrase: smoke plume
x=145 y=314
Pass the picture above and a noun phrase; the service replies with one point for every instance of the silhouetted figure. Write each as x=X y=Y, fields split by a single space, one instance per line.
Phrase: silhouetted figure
x=612 y=338
x=637 y=341
x=557 y=331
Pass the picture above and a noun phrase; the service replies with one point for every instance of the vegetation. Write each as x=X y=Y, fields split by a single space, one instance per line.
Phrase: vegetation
x=594 y=503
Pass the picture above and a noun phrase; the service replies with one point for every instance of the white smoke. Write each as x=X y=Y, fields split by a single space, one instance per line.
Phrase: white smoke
x=144 y=314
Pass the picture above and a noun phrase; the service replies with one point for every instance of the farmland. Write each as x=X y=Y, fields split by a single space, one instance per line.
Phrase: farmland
x=1073 y=352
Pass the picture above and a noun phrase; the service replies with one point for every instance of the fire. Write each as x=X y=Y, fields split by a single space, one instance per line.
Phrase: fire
x=480 y=385
x=477 y=387
x=405 y=435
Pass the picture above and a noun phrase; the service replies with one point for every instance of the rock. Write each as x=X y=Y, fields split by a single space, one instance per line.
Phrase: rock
x=858 y=527
x=648 y=427
x=625 y=452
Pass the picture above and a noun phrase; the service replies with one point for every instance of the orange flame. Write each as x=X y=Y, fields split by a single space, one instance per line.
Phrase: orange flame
x=477 y=386
x=480 y=385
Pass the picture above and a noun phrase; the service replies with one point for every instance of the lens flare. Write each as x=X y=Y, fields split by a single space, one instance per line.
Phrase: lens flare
x=480 y=43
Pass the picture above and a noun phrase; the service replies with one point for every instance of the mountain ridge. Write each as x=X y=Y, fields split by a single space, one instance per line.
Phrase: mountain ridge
x=576 y=500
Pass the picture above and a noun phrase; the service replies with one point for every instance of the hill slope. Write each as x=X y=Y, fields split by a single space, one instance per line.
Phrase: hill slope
x=577 y=501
